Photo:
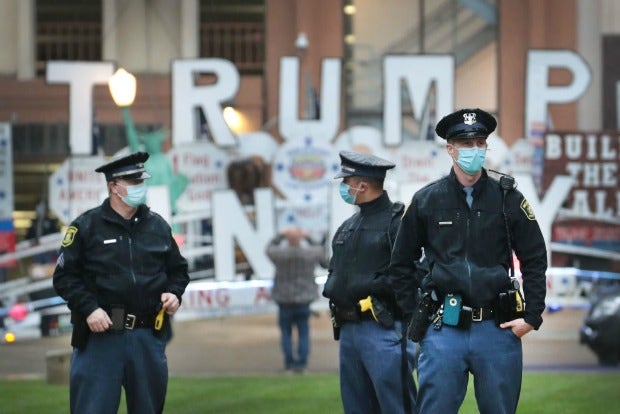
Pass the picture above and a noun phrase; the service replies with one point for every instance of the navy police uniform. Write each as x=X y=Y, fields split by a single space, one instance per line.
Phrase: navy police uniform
x=467 y=250
x=123 y=267
x=372 y=354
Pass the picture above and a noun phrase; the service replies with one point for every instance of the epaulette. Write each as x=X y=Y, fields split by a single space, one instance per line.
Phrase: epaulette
x=397 y=208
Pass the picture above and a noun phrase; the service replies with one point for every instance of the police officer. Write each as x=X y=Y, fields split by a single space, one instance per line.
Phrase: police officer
x=376 y=359
x=467 y=225
x=122 y=275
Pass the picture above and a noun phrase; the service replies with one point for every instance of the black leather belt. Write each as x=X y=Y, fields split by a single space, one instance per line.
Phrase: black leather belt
x=139 y=321
x=482 y=314
x=351 y=315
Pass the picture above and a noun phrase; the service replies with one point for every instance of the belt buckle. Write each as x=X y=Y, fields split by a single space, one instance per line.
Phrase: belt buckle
x=130 y=321
x=476 y=314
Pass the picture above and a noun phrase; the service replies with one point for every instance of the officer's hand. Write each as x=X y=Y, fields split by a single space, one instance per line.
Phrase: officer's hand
x=519 y=327
x=170 y=302
x=98 y=321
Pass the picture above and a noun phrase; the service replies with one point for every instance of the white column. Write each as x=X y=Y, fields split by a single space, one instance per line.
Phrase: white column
x=108 y=30
x=190 y=29
x=589 y=43
x=26 y=40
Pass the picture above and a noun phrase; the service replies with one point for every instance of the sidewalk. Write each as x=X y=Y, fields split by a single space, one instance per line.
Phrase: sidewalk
x=246 y=345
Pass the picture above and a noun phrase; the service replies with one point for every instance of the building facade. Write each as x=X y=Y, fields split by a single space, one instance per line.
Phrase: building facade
x=489 y=40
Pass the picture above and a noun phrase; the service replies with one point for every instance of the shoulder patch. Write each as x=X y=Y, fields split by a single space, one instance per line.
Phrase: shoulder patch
x=527 y=210
x=69 y=236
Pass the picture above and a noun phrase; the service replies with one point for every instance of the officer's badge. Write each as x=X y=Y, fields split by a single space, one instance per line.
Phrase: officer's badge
x=527 y=209
x=69 y=236
x=469 y=118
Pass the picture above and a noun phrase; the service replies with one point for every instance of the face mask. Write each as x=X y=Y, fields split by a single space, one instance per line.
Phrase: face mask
x=471 y=159
x=136 y=195
x=344 y=193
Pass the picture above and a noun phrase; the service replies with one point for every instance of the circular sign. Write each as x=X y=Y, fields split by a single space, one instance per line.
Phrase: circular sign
x=304 y=168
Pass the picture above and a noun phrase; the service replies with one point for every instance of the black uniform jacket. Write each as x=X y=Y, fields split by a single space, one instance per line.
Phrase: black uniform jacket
x=361 y=251
x=107 y=260
x=467 y=249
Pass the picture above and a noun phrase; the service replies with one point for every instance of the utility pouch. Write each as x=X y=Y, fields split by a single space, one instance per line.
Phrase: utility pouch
x=465 y=317
x=117 y=314
x=509 y=306
x=452 y=309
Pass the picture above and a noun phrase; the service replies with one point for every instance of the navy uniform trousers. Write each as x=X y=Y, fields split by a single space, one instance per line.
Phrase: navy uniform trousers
x=370 y=368
x=134 y=359
x=447 y=357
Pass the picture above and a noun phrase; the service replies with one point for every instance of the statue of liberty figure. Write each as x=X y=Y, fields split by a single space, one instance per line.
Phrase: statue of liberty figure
x=158 y=165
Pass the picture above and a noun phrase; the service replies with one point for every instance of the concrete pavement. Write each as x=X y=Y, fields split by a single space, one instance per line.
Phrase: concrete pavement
x=245 y=345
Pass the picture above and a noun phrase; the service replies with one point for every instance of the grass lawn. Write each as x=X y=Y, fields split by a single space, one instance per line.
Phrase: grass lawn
x=543 y=392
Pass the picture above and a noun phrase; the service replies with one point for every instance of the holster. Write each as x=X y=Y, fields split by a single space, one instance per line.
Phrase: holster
x=336 y=330
x=335 y=322
x=81 y=331
x=422 y=315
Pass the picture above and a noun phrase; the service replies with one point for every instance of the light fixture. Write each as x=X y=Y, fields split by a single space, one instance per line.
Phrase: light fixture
x=302 y=42
x=232 y=118
x=349 y=9
x=122 y=87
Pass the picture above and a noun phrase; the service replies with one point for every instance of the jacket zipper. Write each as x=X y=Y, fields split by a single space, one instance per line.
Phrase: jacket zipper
x=133 y=275
x=468 y=229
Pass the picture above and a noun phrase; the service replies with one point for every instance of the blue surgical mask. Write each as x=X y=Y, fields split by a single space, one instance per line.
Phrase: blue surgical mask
x=136 y=195
x=471 y=159
x=344 y=193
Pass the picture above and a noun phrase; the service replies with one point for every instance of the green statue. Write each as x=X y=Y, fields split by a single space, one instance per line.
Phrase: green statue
x=158 y=165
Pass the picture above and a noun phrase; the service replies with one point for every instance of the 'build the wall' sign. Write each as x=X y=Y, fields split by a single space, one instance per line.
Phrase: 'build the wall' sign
x=593 y=206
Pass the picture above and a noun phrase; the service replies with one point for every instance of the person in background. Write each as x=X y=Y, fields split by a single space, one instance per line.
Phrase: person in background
x=467 y=226
x=376 y=358
x=295 y=257
x=122 y=275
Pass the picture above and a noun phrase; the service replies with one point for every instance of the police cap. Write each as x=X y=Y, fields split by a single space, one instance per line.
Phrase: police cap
x=362 y=165
x=466 y=123
x=129 y=167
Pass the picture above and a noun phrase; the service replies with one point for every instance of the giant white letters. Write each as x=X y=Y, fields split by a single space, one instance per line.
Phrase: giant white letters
x=81 y=77
x=231 y=224
x=326 y=126
x=187 y=95
x=539 y=93
x=419 y=72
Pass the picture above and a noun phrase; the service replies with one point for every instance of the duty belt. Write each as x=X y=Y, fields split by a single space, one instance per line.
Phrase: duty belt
x=344 y=315
x=139 y=321
x=482 y=314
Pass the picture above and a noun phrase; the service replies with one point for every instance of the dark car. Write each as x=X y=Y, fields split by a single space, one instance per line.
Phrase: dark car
x=601 y=328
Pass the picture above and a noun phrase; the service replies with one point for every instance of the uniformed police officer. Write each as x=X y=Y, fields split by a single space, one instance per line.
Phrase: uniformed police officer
x=468 y=225
x=376 y=359
x=121 y=273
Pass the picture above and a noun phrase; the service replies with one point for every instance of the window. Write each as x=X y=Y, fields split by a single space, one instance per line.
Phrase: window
x=234 y=30
x=67 y=30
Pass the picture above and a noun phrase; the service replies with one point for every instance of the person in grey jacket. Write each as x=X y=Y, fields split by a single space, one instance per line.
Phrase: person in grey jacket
x=295 y=257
